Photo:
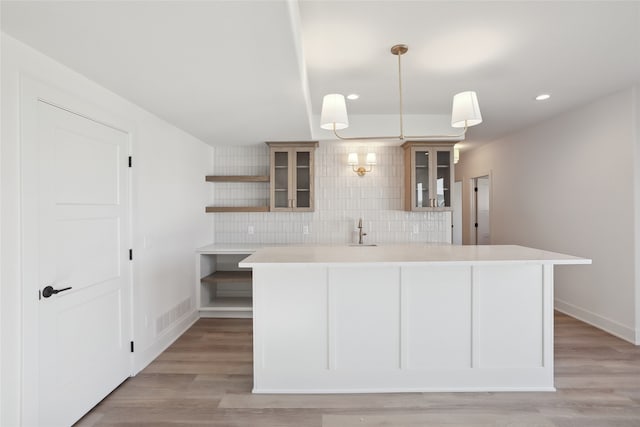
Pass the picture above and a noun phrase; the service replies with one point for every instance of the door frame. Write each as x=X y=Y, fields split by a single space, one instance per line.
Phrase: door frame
x=33 y=91
x=473 y=232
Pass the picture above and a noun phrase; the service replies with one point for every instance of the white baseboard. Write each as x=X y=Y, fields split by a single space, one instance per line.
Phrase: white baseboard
x=600 y=322
x=400 y=390
x=144 y=358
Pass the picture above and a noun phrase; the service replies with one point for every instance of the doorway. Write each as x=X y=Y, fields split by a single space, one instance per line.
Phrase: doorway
x=481 y=210
x=456 y=215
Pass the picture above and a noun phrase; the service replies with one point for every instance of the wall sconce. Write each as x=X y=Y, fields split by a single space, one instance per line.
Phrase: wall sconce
x=360 y=170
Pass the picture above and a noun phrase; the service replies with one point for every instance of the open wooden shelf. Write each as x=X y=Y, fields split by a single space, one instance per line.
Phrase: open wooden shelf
x=228 y=304
x=228 y=276
x=237 y=178
x=210 y=209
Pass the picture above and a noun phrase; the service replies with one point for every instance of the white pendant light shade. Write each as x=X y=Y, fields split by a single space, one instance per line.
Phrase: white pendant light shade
x=465 y=111
x=334 y=111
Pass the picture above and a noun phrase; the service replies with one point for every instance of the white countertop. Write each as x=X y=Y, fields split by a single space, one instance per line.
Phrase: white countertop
x=232 y=248
x=410 y=254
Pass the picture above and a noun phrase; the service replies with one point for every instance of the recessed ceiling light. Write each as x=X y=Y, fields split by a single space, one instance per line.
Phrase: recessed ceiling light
x=353 y=96
x=543 y=97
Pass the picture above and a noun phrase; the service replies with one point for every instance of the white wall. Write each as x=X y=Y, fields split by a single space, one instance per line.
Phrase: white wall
x=342 y=197
x=169 y=195
x=567 y=185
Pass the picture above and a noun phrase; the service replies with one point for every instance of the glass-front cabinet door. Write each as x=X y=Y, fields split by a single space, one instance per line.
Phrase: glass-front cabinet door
x=422 y=179
x=428 y=175
x=292 y=173
x=280 y=190
x=443 y=178
x=303 y=180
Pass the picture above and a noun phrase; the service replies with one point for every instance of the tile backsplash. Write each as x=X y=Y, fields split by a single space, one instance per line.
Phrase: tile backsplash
x=342 y=197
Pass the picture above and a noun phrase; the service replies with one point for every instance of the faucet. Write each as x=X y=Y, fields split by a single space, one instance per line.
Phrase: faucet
x=360 y=233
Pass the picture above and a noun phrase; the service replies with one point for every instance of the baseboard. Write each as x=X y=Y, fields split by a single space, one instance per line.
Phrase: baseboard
x=600 y=322
x=148 y=355
x=400 y=390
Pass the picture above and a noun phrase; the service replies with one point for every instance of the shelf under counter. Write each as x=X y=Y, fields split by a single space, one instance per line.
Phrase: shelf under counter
x=228 y=304
x=227 y=277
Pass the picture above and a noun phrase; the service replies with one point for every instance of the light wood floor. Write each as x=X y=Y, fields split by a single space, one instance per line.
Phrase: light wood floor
x=204 y=378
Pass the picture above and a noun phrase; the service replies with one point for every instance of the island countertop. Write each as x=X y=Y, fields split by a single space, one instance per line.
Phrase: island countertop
x=403 y=318
x=407 y=254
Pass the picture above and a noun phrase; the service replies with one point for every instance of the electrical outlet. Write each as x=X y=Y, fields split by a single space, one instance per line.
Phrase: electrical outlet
x=250 y=229
x=305 y=229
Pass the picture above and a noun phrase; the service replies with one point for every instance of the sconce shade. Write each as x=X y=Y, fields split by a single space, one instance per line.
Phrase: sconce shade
x=352 y=160
x=334 y=111
x=371 y=158
x=465 y=111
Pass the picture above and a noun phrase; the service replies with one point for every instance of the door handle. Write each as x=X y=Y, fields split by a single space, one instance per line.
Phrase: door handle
x=48 y=291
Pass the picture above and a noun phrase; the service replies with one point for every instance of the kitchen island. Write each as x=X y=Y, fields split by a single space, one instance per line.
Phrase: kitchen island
x=403 y=318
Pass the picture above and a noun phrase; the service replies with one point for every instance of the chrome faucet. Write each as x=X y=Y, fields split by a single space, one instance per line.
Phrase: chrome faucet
x=360 y=233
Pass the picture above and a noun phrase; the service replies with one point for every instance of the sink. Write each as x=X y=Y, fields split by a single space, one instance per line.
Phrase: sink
x=366 y=244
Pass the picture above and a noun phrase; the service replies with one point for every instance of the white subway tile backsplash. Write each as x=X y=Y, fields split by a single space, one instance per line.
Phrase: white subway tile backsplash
x=342 y=198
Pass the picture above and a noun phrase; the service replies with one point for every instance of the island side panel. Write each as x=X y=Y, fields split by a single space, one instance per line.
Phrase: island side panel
x=436 y=317
x=510 y=310
x=334 y=329
x=289 y=324
x=364 y=310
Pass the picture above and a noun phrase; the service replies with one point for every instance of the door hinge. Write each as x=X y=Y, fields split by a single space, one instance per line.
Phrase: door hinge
x=39 y=294
x=130 y=254
x=131 y=346
x=129 y=161
x=475 y=189
x=476 y=224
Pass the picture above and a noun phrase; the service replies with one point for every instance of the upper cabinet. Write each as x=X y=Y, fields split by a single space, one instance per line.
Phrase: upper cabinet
x=292 y=183
x=428 y=178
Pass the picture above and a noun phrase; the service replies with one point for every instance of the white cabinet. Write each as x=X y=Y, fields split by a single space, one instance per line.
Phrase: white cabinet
x=428 y=175
x=222 y=288
x=292 y=176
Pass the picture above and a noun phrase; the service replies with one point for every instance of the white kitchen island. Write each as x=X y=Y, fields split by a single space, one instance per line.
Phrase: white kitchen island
x=403 y=318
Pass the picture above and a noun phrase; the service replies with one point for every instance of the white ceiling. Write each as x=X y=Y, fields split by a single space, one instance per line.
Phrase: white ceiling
x=242 y=72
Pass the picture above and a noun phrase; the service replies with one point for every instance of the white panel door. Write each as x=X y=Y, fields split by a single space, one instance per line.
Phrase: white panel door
x=483 y=218
x=84 y=331
x=456 y=215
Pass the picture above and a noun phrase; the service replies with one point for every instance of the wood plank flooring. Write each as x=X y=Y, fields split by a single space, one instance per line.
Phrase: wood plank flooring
x=205 y=378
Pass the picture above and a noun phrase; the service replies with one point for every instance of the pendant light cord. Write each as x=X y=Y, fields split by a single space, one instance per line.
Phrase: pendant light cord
x=400 y=91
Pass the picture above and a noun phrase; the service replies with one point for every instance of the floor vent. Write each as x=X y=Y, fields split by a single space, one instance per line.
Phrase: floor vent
x=169 y=318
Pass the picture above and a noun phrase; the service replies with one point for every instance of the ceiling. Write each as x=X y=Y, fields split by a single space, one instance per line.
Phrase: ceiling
x=242 y=72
